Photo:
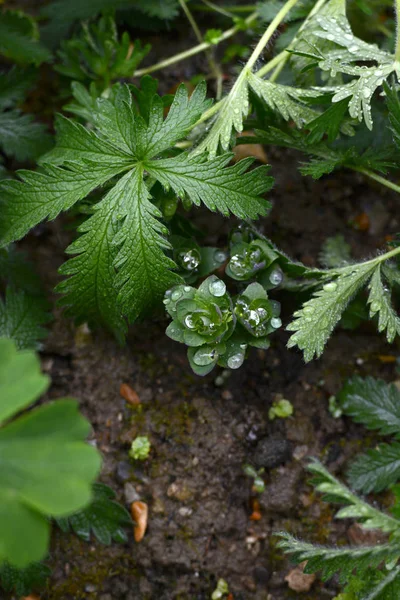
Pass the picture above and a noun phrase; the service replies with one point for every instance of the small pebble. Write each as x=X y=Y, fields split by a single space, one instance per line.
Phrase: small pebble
x=130 y=493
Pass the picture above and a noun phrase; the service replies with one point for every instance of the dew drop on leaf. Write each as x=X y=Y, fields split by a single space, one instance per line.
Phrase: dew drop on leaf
x=276 y=277
x=330 y=287
x=217 y=288
x=235 y=361
x=176 y=294
x=202 y=358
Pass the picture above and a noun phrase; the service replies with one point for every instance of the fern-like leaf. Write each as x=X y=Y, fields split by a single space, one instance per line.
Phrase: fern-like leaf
x=373 y=403
x=380 y=304
x=318 y=317
x=377 y=469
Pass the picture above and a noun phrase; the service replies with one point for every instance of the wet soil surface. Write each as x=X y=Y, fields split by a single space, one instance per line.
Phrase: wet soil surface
x=200 y=501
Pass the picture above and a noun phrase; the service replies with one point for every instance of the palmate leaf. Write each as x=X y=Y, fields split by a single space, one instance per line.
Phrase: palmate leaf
x=46 y=467
x=104 y=517
x=22 y=318
x=22 y=137
x=121 y=267
x=317 y=318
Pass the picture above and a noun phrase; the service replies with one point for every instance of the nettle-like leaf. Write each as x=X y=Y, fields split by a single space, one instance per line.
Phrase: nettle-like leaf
x=23 y=581
x=46 y=467
x=122 y=264
x=104 y=517
x=22 y=318
x=377 y=469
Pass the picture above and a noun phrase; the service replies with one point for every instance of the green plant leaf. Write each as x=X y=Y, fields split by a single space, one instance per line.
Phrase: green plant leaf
x=19 y=39
x=380 y=304
x=317 y=318
x=22 y=137
x=335 y=252
x=377 y=469
x=14 y=84
x=46 y=468
x=373 y=403
x=104 y=517
x=22 y=318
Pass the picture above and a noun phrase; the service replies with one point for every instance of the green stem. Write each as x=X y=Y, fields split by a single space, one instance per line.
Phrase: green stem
x=378 y=178
x=222 y=11
x=192 y=51
x=191 y=20
x=231 y=9
x=317 y=7
x=272 y=27
x=397 y=52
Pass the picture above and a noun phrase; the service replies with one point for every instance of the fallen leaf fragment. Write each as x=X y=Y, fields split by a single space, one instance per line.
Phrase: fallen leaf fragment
x=387 y=358
x=299 y=581
x=129 y=394
x=31 y=596
x=140 y=513
x=246 y=150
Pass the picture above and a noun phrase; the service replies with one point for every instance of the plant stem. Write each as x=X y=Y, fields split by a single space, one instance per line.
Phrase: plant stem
x=318 y=5
x=397 y=52
x=214 y=8
x=232 y=9
x=376 y=177
x=192 y=51
x=269 y=33
x=214 y=67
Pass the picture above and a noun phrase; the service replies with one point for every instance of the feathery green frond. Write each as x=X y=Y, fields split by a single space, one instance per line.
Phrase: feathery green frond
x=380 y=304
x=373 y=403
x=317 y=318
x=19 y=38
x=377 y=469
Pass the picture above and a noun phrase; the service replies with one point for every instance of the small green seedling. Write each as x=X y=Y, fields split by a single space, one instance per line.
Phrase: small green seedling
x=258 y=484
x=221 y=590
x=281 y=409
x=140 y=448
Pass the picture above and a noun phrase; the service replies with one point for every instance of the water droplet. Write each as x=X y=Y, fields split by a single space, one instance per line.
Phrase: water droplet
x=308 y=310
x=236 y=111
x=166 y=301
x=276 y=277
x=378 y=73
x=276 y=322
x=235 y=361
x=202 y=358
x=176 y=294
x=348 y=36
x=330 y=287
x=189 y=322
x=353 y=49
x=220 y=256
x=168 y=293
x=366 y=92
x=375 y=306
x=217 y=288
x=187 y=288
x=330 y=37
x=243 y=346
x=190 y=259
